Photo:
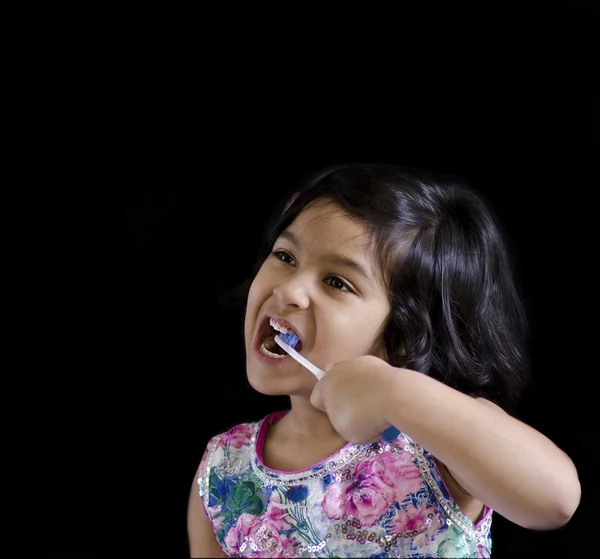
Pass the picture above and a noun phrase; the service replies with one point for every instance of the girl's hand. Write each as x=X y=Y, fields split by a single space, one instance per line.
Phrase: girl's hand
x=355 y=395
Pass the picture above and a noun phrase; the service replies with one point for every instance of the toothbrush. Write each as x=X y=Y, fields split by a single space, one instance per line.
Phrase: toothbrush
x=287 y=342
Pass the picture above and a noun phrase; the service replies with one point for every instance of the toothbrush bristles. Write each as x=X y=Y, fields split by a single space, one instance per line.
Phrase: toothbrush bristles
x=290 y=339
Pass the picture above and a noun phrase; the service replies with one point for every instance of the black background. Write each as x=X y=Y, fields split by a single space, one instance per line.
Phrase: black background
x=137 y=364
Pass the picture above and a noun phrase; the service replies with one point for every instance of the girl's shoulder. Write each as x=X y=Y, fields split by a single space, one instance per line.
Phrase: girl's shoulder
x=237 y=437
x=229 y=452
x=236 y=441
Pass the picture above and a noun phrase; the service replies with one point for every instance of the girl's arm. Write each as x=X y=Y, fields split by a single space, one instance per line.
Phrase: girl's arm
x=499 y=460
x=201 y=537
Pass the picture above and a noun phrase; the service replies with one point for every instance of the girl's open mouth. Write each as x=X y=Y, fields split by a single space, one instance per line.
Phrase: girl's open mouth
x=269 y=328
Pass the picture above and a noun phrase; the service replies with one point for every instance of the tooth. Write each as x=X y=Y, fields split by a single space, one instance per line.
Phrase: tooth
x=264 y=350
x=274 y=324
x=280 y=328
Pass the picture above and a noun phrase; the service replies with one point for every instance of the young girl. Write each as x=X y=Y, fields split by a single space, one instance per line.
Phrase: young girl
x=399 y=287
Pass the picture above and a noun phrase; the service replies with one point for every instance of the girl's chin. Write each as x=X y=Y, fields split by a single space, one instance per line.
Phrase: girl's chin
x=268 y=384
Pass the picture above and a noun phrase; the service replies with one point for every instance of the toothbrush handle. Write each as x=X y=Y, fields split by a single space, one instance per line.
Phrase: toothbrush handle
x=390 y=434
x=302 y=360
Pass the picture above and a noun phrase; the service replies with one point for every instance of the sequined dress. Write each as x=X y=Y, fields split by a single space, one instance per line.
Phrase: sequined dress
x=376 y=500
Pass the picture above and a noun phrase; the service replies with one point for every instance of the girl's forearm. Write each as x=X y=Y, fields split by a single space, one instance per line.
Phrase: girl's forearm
x=501 y=461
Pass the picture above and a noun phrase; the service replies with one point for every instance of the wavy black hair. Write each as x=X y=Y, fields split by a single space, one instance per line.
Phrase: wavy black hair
x=456 y=314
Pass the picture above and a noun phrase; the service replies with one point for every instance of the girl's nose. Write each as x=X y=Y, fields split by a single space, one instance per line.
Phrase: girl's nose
x=293 y=291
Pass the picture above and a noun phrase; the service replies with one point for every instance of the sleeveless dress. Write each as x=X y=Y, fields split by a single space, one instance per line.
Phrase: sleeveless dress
x=383 y=499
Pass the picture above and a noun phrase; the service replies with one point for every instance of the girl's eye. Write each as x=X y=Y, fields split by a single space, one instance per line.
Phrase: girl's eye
x=283 y=256
x=332 y=281
x=338 y=284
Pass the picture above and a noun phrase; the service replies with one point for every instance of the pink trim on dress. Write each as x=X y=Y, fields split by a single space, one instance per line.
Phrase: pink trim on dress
x=487 y=510
x=260 y=442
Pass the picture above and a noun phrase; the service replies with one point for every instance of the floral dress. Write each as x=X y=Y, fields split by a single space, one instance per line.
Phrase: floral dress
x=376 y=500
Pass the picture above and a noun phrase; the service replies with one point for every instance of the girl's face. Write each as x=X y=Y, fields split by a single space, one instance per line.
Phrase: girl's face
x=321 y=281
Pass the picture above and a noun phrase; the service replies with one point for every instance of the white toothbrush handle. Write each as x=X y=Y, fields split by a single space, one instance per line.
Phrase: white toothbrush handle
x=303 y=361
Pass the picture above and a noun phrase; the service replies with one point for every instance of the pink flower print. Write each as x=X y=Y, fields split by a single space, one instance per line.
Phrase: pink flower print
x=411 y=520
x=401 y=473
x=235 y=537
x=213 y=515
x=261 y=538
x=366 y=497
x=482 y=552
x=237 y=437
x=276 y=515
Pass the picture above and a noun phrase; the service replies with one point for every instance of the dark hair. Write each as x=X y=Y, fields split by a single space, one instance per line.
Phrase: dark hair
x=456 y=314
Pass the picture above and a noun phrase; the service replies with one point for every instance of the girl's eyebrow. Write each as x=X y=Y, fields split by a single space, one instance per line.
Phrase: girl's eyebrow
x=336 y=258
